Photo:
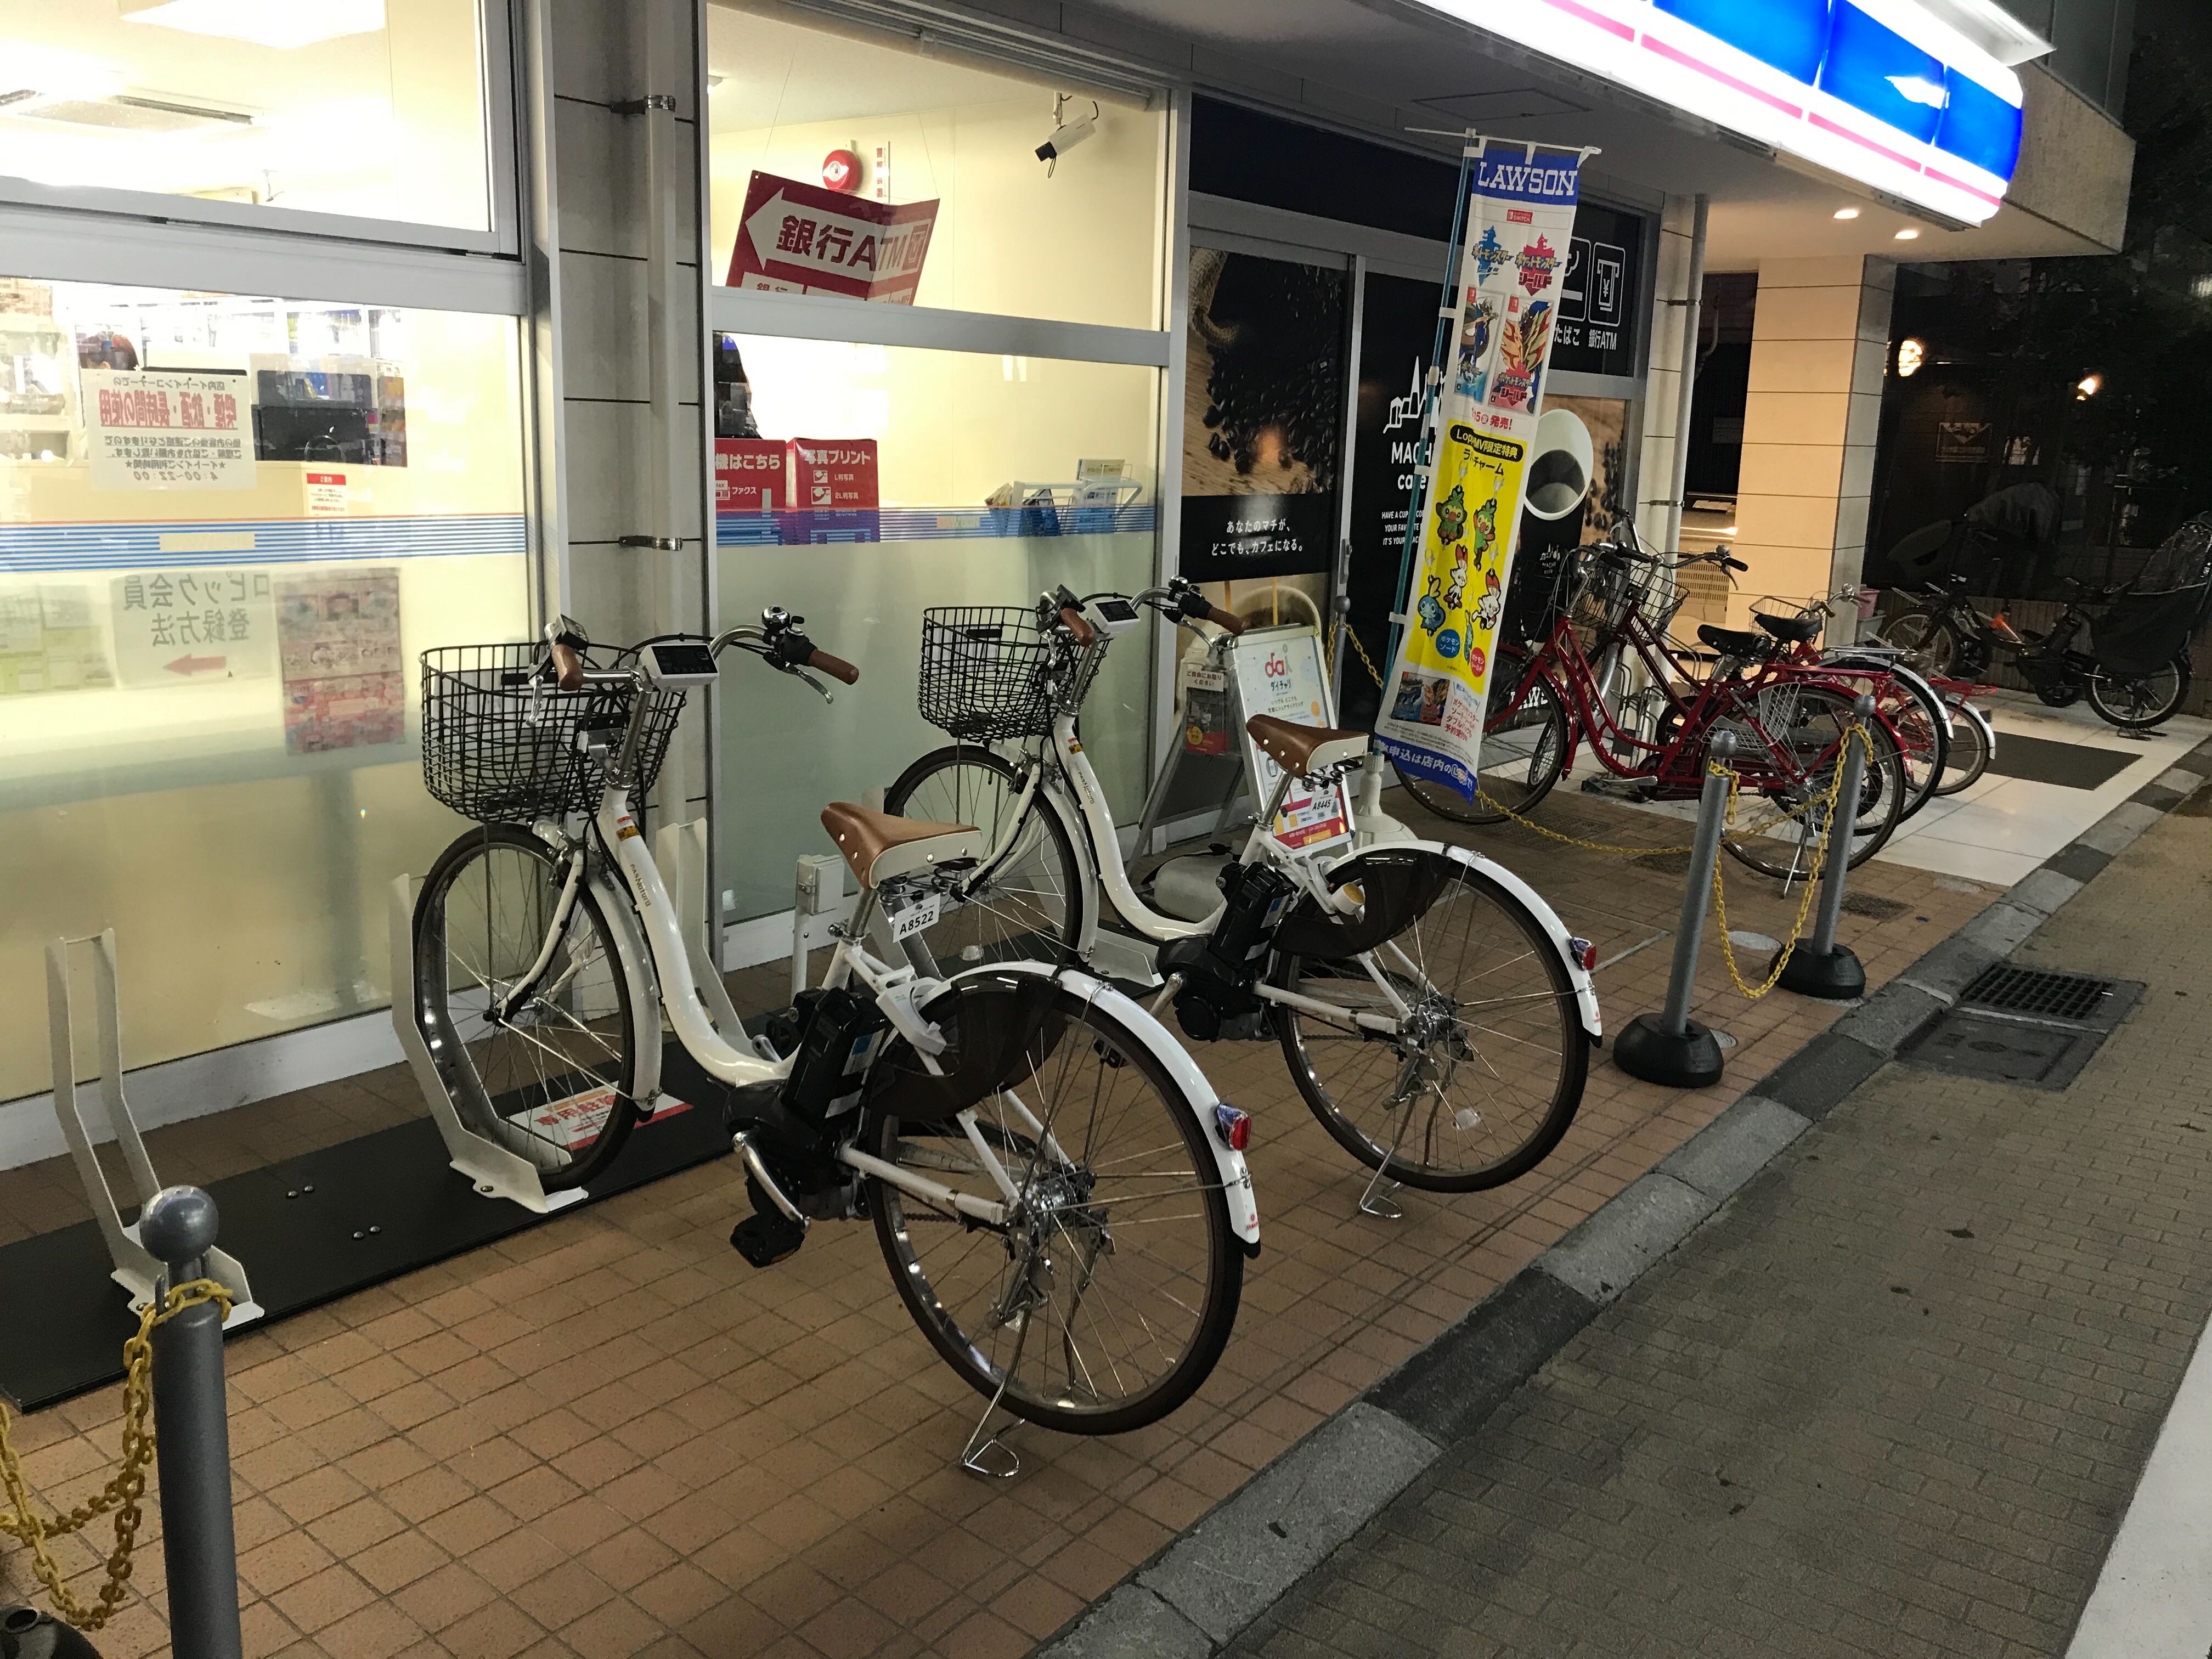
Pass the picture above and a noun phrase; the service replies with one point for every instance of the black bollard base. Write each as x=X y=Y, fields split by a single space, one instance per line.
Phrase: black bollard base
x=1836 y=976
x=1691 y=1061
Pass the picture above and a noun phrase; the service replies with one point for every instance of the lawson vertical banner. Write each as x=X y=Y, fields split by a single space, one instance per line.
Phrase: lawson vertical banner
x=1517 y=229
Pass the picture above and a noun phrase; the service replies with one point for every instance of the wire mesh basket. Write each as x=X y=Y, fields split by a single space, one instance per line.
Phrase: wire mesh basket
x=992 y=672
x=499 y=743
x=1606 y=592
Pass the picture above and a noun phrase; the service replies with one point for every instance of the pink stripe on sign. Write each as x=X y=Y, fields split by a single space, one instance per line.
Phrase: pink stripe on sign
x=1974 y=191
x=1843 y=132
x=1611 y=26
x=1677 y=55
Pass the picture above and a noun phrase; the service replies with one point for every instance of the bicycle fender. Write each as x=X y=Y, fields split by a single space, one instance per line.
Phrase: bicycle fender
x=1235 y=1177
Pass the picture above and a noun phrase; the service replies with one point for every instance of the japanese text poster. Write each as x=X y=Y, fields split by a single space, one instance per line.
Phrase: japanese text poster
x=167 y=431
x=174 y=626
x=338 y=634
x=801 y=239
x=1520 y=220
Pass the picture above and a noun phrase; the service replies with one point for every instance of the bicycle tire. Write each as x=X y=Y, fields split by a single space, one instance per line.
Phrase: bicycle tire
x=1359 y=1064
x=497 y=885
x=942 y=1289
x=2141 y=710
x=1037 y=902
x=1531 y=765
x=1881 y=797
x=1931 y=640
x=1973 y=743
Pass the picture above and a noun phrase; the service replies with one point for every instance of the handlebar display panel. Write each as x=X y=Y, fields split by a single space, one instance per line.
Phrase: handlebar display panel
x=681 y=663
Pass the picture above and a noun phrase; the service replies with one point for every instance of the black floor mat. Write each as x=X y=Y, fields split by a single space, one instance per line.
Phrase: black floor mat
x=382 y=1204
x=2069 y=765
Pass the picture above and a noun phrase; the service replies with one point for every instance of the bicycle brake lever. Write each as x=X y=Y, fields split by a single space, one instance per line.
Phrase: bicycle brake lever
x=820 y=689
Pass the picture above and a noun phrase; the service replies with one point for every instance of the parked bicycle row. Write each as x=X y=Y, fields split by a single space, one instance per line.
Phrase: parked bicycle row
x=1060 y=1194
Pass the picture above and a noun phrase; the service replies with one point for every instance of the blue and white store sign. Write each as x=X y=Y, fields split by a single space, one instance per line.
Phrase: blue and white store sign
x=1883 y=91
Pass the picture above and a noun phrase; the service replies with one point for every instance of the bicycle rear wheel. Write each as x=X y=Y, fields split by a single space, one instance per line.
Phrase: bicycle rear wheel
x=1928 y=639
x=1032 y=906
x=1972 y=740
x=2138 y=702
x=1790 y=741
x=1522 y=748
x=1106 y=1299
x=1915 y=715
x=553 y=1079
x=1477 y=1088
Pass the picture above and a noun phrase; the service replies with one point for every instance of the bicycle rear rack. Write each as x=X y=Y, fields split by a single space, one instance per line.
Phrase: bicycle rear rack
x=134 y=1267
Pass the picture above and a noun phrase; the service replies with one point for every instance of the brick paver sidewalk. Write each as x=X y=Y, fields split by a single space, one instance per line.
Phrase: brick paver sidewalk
x=1892 y=1401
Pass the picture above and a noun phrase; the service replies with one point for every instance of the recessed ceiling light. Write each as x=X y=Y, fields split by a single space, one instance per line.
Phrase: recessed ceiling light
x=283 y=25
x=1847 y=213
x=1911 y=354
x=1908 y=235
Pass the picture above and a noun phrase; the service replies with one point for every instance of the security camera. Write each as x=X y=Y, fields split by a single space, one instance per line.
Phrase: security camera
x=1066 y=133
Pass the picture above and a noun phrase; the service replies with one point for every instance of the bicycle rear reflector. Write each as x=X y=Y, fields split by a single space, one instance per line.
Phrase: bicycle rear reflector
x=1585 y=954
x=1235 y=1127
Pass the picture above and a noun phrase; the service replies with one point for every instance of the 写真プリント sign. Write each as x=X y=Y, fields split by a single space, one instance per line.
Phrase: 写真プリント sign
x=798 y=238
x=159 y=430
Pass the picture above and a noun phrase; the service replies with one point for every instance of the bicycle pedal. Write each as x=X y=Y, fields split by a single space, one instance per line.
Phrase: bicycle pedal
x=764 y=1240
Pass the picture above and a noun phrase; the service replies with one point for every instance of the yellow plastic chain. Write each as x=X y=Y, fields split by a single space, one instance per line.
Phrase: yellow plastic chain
x=1855 y=731
x=20 y=1519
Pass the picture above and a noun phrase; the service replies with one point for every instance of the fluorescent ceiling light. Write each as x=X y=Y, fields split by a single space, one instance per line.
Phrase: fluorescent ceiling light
x=283 y=25
x=1847 y=213
x=1907 y=235
x=42 y=74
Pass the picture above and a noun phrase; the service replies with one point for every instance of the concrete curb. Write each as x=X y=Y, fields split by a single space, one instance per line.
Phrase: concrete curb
x=1205 y=1586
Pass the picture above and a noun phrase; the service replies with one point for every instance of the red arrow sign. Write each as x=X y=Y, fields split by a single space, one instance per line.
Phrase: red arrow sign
x=199 y=664
x=801 y=237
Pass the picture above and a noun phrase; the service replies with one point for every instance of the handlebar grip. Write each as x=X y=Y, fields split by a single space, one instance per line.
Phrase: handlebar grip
x=836 y=668
x=568 y=667
x=1077 y=625
x=1734 y=564
x=1221 y=618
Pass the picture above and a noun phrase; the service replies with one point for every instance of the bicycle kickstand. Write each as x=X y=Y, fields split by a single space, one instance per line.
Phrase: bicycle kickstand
x=985 y=1454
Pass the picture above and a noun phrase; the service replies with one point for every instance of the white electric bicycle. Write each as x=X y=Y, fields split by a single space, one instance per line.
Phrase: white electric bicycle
x=1061 y=1199
x=1435 y=1015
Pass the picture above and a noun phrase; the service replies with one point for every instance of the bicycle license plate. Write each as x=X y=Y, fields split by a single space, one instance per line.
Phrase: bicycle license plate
x=923 y=913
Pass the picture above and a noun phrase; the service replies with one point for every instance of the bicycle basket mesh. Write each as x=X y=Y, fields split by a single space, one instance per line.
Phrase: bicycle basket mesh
x=500 y=745
x=990 y=672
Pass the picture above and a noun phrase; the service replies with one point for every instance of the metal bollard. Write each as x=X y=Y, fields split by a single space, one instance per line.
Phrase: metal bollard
x=191 y=1425
x=1818 y=967
x=25 y=1633
x=1671 y=1048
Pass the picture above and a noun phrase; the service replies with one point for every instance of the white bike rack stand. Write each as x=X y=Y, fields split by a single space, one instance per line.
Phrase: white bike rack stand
x=493 y=1170
x=134 y=1267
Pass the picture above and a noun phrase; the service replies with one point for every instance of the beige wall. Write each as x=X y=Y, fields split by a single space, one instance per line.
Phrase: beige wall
x=1818 y=344
x=1662 y=382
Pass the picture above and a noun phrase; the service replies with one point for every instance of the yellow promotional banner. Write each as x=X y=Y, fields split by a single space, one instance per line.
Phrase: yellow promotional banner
x=1518 y=223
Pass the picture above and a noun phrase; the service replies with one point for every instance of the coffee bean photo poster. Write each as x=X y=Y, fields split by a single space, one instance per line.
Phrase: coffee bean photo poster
x=1263 y=416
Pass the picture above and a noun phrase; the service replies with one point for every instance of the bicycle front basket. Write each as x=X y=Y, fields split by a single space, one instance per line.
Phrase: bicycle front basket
x=990 y=672
x=499 y=744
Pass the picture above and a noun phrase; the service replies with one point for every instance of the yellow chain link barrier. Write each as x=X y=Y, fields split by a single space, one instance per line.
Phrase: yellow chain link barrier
x=20 y=1520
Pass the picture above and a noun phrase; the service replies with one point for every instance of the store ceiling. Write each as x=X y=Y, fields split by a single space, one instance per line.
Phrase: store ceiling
x=1437 y=71
x=774 y=73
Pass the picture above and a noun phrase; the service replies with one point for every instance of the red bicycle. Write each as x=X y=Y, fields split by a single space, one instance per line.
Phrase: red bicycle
x=1552 y=697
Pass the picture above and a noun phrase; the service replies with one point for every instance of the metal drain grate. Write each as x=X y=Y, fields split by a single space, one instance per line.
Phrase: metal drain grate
x=2039 y=994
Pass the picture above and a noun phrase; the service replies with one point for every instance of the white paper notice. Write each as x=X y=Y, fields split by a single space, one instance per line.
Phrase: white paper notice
x=168 y=431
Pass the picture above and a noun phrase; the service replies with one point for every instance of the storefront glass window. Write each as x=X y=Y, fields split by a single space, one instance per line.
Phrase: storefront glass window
x=888 y=459
x=936 y=159
x=370 y=108
x=227 y=524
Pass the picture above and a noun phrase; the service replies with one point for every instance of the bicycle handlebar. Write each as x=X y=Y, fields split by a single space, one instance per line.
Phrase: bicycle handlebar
x=1077 y=627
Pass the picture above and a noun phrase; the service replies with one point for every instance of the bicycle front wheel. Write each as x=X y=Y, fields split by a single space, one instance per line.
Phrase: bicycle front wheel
x=2138 y=702
x=542 y=1063
x=1477 y=1083
x=1973 y=739
x=1790 y=741
x=1032 y=904
x=1105 y=1299
x=1929 y=641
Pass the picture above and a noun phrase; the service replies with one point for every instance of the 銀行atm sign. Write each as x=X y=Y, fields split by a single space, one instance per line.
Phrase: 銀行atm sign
x=1885 y=92
x=798 y=238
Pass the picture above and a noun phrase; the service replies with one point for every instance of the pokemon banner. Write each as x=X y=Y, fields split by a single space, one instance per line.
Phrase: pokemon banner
x=1520 y=220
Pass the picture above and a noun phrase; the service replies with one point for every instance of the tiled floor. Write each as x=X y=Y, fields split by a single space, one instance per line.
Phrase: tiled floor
x=2000 y=827
x=608 y=1437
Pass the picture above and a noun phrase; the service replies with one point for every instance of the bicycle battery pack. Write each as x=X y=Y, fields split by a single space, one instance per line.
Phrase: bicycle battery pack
x=1218 y=971
x=839 y=1029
